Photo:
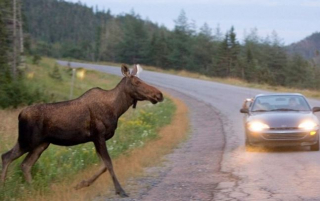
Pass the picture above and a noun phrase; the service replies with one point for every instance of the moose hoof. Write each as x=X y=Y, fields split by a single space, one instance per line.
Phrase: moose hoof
x=82 y=184
x=122 y=194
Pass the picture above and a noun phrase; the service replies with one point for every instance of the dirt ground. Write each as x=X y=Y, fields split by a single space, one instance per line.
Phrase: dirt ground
x=192 y=171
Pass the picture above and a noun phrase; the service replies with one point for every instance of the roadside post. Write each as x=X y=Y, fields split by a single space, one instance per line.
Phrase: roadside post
x=72 y=83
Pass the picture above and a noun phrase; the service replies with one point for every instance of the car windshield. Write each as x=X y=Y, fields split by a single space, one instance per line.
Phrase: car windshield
x=280 y=103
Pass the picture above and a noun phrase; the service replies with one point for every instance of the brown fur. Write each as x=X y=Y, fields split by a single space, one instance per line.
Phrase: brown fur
x=92 y=117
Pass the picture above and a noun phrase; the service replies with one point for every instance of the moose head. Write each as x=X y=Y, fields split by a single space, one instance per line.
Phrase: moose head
x=138 y=89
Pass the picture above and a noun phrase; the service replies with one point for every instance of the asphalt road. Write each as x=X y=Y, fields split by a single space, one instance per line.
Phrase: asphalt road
x=267 y=174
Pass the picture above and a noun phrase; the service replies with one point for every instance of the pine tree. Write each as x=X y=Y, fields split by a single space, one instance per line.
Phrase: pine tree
x=133 y=46
x=110 y=38
x=276 y=60
x=296 y=71
x=55 y=74
x=221 y=60
x=158 y=49
x=181 y=44
x=234 y=50
x=203 y=49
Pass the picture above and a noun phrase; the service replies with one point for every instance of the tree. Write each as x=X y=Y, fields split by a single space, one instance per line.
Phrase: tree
x=158 y=50
x=296 y=71
x=181 y=23
x=250 y=55
x=55 y=74
x=10 y=36
x=4 y=47
x=14 y=20
x=234 y=50
x=276 y=60
x=110 y=38
x=181 y=44
x=218 y=35
x=227 y=61
x=133 y=46
x=203 y=49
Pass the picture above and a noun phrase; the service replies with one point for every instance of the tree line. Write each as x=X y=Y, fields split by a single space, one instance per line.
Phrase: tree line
x=72 y=30
x=62 y=29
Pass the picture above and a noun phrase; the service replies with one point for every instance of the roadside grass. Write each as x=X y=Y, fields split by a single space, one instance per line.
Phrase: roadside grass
x=231 y=81
x=59 y=89
x=58 y=165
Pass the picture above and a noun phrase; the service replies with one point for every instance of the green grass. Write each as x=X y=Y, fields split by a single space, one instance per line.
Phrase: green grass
x=57 y=163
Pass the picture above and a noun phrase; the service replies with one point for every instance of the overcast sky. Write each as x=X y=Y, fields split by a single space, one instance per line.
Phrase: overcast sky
x=293 y=20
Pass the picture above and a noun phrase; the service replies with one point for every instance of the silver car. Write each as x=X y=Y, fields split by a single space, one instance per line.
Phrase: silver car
x=282 y=119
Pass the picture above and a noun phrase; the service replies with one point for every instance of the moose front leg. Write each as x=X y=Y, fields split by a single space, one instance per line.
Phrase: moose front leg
x=86 y=183
x=102 y=151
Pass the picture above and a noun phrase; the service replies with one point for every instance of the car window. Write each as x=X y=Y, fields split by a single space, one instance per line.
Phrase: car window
x=281 y=103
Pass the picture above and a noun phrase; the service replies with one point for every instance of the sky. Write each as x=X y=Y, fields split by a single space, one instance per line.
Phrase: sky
x=292 y=20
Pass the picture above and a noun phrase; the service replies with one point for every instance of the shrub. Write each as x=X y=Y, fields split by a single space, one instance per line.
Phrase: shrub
x=36 y=59
x=17 y=93
x=55 y=74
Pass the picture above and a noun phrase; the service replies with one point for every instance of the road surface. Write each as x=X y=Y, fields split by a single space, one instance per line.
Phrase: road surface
x=268 y=174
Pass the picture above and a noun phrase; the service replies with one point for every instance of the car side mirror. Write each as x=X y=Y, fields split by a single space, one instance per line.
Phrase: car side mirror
x=245 y=110
x=315 y=109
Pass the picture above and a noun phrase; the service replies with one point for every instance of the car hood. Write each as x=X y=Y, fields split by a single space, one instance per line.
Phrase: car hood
x=283 y=119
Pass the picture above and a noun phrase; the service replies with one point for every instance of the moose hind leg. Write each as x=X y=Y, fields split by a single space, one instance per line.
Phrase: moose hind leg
x=31 y=159
x=8 y=157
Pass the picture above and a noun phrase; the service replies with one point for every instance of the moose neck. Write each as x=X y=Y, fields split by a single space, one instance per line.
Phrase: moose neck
x=123 y=99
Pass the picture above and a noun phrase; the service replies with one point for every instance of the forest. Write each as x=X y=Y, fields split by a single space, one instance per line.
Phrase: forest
x=60 y=29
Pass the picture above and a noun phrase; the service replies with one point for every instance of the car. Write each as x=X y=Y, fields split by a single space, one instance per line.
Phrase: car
x=281 y=119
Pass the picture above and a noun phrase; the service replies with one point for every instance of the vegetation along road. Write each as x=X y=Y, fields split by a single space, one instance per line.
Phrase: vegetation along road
x=265 y=174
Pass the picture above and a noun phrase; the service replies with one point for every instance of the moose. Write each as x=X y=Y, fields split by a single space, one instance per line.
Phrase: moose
x=92 y=117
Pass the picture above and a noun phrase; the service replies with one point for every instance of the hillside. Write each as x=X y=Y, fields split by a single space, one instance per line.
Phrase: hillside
x=62 y=29
x=72 y=30
x=307 y=47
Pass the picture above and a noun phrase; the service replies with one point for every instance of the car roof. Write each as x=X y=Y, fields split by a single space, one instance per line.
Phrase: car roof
x=279 y=94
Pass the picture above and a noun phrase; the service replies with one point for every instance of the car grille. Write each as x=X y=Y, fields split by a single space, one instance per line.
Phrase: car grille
x=283 y=136
x=284 y=128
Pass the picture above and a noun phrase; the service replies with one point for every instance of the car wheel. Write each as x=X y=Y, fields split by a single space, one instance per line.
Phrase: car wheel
x=315 y=147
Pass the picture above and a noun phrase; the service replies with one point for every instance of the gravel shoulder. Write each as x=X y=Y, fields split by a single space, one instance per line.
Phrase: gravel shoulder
x=192 y=171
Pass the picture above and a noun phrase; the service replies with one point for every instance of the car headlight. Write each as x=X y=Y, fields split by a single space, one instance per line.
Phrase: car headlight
x=257 y=126
x=308 y=125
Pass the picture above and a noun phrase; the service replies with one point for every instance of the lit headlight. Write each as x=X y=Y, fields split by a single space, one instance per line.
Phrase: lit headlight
x=307 y=125
x=257 y=126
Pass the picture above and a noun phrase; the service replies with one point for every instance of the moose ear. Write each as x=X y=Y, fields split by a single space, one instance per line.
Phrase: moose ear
x=125 y=70
x=135 y=70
